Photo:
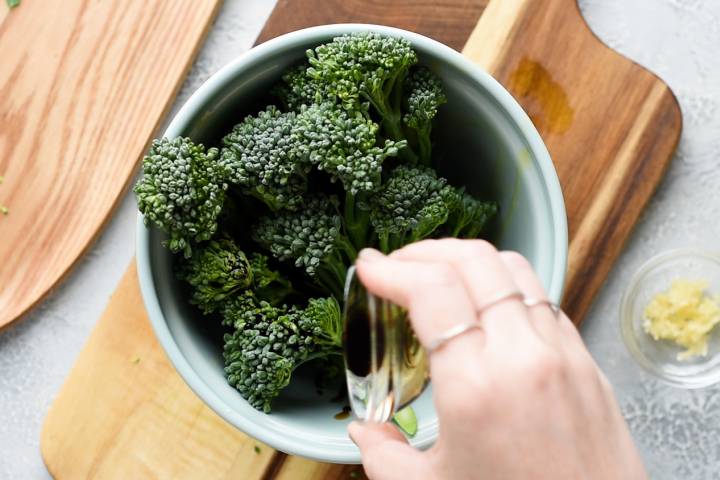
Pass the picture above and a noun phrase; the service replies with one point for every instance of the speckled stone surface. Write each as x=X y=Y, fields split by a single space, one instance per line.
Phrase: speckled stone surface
x=678 y=431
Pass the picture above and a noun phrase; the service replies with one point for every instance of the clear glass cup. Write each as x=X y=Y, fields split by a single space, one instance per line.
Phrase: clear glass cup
x=385 y=365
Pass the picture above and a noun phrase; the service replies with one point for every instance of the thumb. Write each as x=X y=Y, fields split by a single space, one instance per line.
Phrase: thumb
x=386 y=453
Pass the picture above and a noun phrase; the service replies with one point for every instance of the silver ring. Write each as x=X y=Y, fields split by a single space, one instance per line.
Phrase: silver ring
x=451 y=333
x=459 y=329
x=534 y=302
x=499 y=299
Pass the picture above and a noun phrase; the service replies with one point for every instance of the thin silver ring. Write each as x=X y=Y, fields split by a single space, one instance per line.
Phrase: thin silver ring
x=451 y=333
x=461 y=328
x=535 y=302
x=517 y=294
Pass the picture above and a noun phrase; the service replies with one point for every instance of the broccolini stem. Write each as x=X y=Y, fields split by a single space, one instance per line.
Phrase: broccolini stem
x=332 y=275
x=356 y=222
x=425 y=147
x=390 y=120
x=384 y=243
x=392 y=127
x=456 y=231
x=329 y=279
x=321 y=354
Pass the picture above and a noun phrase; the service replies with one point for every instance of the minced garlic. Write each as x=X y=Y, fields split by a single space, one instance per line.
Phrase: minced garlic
x=685 y=315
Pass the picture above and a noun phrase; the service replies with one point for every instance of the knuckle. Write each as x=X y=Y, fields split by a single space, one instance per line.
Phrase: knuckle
x=545 y=370
x=414 y=248
x=481 y=248
x=442 y=274
x=516 y=260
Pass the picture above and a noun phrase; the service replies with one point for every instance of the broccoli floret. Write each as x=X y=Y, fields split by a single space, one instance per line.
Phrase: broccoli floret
x=267 y=159
x=313 y=239
x=322 y=318
x=269 y=342
x=297 y=89
x=216 y=271
x=410 y=206
x=425 y=97
x=182 y=191
x=469 y=216
x=366 y=68
x=342 y=142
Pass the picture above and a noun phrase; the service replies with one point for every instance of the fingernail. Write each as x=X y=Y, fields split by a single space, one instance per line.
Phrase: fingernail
x=369 y=255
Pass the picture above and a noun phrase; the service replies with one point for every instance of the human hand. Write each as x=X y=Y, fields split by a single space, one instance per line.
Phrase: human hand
x=519 y=398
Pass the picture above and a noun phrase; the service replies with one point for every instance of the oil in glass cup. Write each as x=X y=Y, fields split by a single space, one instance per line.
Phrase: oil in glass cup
x=385 y=365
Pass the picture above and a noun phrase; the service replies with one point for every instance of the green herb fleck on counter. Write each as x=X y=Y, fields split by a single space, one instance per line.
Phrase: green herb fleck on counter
x=13 y=3
x=257 y=449
x=4 y=210
x=135 y=360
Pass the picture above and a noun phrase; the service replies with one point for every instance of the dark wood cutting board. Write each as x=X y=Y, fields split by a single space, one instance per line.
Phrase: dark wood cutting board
x=611 y=128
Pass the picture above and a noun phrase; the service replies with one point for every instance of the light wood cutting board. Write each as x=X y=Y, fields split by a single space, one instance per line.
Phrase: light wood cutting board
x=83 y=87
x=611 y=128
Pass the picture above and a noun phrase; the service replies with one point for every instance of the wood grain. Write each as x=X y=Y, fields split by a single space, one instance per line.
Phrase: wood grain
x=83 y=87
x=610 y=125
x=611 y=128
x=449 y=21
x=125 y=413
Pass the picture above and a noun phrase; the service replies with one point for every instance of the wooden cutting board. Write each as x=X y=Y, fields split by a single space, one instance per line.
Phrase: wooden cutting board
x=84 y=85
x=611 y=128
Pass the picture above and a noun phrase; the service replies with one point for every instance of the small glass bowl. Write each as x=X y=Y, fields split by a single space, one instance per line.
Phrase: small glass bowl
x=386 y=367
x=659 y=357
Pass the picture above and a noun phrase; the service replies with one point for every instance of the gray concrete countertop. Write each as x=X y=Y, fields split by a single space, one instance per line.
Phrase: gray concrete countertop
x=678 y=431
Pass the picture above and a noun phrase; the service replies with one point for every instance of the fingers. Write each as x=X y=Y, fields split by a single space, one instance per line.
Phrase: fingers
x=386 y=454
x=485 y=276
x=433 y=293
x=541 y=316
x=557 y=331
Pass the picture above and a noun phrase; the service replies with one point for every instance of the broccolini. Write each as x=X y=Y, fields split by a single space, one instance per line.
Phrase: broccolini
x=267 y=159
x=425 y=96
x=182 y=191
x=269 y=342
x=410 y=206
x=268 y=225
x=366 y=68
x=218 y=270
x=312 y=238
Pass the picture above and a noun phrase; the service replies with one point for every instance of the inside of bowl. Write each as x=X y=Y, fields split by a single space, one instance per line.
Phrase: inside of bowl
x=480 y=147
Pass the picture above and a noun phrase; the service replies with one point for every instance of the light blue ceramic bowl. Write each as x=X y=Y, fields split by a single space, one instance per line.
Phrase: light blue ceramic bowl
x=487 y=143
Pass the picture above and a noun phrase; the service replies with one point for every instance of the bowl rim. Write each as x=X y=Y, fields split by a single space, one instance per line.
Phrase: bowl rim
x=626 y=319
x=195 y=105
